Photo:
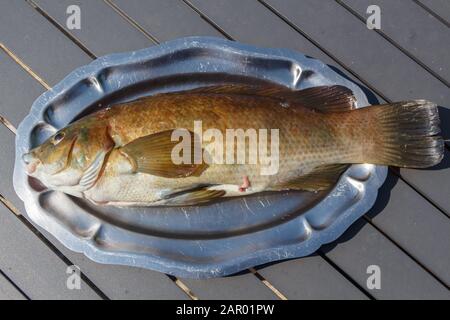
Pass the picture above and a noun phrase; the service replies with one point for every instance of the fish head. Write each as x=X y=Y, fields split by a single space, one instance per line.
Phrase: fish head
x=52 y=156
x=70 y=154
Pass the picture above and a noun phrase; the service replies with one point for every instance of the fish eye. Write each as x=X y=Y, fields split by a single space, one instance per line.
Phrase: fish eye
x=58 y=137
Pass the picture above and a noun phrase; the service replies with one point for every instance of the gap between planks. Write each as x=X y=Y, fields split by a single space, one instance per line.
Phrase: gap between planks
x=11 y=282
x=207 y=19
x=394 y=43
x=79 y=43
x=268 y=284
x=131 y=21
x=420 y=264
x=7 y=124
x=434 y=14
x=8 y=204
x=24 y=66
x=61 y=29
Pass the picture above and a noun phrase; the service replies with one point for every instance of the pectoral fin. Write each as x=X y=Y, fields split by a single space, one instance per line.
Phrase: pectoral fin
x=152 y=154
x=92 y=172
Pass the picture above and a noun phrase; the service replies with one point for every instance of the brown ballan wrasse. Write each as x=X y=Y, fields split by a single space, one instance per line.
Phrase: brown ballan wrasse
x=124 y=155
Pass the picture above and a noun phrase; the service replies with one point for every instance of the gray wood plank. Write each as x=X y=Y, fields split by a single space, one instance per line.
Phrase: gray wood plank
x=403 y=209
x=310 y=278
x=26 y=32
x=36 y=269
x=439 y=7
x=246 y=21
x=243 y=286
x=166 y=19
x=12 y=85
x=8 y=291
x=98 y=20
x=413 y=29
x=363 y=246
x=354 y=45
x=235 y=23
x=433 y=183
x=127 y=281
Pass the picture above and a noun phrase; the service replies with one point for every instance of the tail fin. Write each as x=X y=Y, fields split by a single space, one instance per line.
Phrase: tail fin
x=408 y=134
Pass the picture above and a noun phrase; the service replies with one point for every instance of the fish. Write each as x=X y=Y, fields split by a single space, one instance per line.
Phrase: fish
x=123 y=155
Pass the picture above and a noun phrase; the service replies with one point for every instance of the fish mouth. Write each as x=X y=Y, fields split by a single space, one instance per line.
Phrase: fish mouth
x=31 y=163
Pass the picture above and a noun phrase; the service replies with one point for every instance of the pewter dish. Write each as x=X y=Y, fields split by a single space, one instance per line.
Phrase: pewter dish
x=199 y=241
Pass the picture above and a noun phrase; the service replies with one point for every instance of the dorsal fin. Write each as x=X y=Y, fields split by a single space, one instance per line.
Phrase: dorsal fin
x=323 y=98
x=326 y=98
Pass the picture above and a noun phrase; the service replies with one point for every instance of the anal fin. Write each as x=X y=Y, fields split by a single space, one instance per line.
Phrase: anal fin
x=321 y=178
x=193 y=197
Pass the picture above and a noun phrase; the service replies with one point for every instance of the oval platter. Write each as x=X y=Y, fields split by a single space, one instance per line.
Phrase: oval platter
x=198 y=241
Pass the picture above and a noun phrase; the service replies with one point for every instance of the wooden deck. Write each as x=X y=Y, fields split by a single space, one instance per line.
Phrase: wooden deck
x=406 y=234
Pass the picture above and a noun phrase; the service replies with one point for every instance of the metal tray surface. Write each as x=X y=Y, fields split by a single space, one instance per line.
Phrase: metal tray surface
x=200 y=241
